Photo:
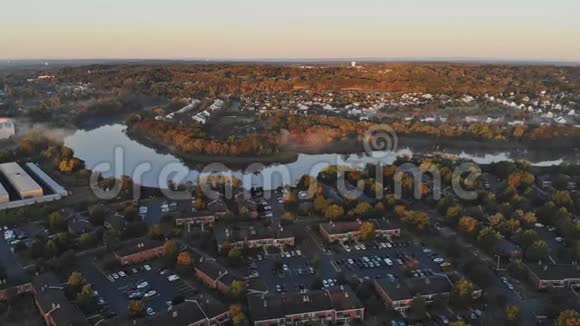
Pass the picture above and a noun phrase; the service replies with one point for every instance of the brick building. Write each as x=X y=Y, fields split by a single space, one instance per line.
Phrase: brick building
x=139 y=251
x=345 y=231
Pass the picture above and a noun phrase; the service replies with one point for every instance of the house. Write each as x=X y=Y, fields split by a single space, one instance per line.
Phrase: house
x=338 y=305
x=201 y=310
x=213 y=274
x=399 y=294
x=138 y=251
x=345 y=231
x=53 y=305
x=252 y=235
x=554 y=275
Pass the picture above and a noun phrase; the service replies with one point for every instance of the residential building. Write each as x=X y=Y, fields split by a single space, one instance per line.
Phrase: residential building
x=338 y=305
x=252 y=235
x=399 y=294
x=21 y=181
x=201 y=310
x=554 y=275
x=139 y=251
x=345 y=231
x=52 y=303
x=197 y=218
x=215 y=276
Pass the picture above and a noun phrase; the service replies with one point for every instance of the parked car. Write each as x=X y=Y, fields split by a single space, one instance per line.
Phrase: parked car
x=150 y=293
x=173 y=278
x=142 y=285
x=150 y=311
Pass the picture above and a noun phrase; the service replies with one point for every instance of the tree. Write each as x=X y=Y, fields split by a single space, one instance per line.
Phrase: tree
x=75 y=280
x=85 y=296
x=320 y=204
x=568 y=318
x=237 y=289
x=86 y=240
x=170 y=249
x=136 y=308
x=235 y=255
x=97 y=216
x=333 y=212
x=539 y=250
x=513 y=314
x=462 y=293
x=112 y=238
x=184 y=259
x=362 y=208
x=367 y=231
x=288 y=218
x=468 y=225
x=155 y=232
x=453 y=213
x=237 y=315
x=56 y=221
x=488 y=238
x=526 y=238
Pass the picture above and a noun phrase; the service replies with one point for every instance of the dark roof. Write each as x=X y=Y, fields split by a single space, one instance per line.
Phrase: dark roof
x=188 y=313
x=270 y=306
x=214 y=270
x=506 y=247
x=248 y=231
x=78 y=225
x=554 y=272
x=50 y=294
x=409 y=288
x=137 y=246
x=344 y=227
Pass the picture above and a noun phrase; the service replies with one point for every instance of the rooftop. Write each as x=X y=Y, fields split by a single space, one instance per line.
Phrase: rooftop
x=345 y=227
x=18 y=178
x=50 y=296
x=248 y=231
x=138 y=246
x=553 y=272
x=213 y=269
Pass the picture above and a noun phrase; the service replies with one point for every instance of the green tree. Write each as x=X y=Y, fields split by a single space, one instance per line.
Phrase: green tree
x=488 y=238
x=462 y=293
x=56 y=221
x=86 y=240
x=85 y=296
x=235 y=255
x=513 y=314
x=539 y=250
x=237 y=289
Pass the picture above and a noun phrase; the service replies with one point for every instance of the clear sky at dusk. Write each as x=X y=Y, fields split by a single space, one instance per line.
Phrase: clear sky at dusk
x=532 y=29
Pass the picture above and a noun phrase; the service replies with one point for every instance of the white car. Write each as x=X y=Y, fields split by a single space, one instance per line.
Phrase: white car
x=143 y=210
x=142 y=285
x=357 y=247
x=347 y=248
x=173 y=278
x=116 y=276
x=147 y=267
x=388 y=262
x=285 y=267
x=122 y=274
x=298 y=253
x=559 y=239
x=350 y=261
x=438 y=260
x=325 y=283
x=150 y=293
x=362 y=246
x=426 y=250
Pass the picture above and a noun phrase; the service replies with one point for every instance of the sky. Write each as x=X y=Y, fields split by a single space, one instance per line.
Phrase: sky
x=243 y=29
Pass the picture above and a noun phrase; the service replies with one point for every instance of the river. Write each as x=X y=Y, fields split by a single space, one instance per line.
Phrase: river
x=109 y=150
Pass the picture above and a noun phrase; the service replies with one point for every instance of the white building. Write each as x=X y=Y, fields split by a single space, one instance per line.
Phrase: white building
x=21 y=181
x=7 y=128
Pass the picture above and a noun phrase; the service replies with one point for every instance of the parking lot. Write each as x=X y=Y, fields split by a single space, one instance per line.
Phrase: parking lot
x=153 y=287
x=380 y=259
x=285 y=274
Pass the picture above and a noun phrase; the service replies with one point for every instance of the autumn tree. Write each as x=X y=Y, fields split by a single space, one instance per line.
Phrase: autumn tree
x=334 y=212
x=170 y=250
x=136 y=308
x=237 y=289
x=288 y=218
x=568 y=318
x=468 y=225
x=513 y=314
x=488 y=238
x=362 y=208
x=237 y=315
x=367 y=231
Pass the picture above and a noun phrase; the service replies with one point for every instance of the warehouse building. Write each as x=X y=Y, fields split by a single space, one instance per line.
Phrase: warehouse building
x=4 y=198
x=24 y=185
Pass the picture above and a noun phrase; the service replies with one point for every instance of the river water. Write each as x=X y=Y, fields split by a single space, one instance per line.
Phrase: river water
x=109 y=150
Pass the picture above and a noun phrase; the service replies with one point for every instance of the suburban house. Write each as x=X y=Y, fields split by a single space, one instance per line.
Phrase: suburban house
x=52 y=303
x=197 y=218
x=250 y=235
x=345 y=231
x=139 y=251
x=215 y=276
x=554 y=275
x=338 y=305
